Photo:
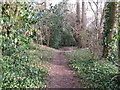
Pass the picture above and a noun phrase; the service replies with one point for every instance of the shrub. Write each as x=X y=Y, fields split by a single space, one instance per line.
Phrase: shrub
x=96 y=73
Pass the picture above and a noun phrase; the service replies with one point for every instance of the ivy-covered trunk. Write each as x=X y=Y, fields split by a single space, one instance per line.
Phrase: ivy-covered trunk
x=109 y=28
x=119 y=48
x=119 y=37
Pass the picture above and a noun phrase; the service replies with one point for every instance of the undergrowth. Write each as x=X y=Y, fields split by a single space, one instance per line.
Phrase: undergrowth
x=95 y=73
x=32 y=74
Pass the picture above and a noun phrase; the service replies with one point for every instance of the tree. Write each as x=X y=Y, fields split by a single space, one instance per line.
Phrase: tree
x=78 y=12
x=76 y=29
x=119 y=37
x=109 y=28
x=119 y=46
x=83 y=16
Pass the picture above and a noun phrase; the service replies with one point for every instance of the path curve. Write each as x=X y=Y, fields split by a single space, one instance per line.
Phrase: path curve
x=61 y=76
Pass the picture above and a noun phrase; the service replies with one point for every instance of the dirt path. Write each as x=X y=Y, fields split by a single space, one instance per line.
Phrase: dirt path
x=60 y=74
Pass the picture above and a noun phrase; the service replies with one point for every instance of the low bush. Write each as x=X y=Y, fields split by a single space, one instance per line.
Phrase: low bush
x=94 y=72
x=25 y=74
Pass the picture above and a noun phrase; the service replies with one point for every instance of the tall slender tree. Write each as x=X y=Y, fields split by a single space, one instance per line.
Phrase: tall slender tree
x=77 y=27
x=78 y=12
x=83 y=15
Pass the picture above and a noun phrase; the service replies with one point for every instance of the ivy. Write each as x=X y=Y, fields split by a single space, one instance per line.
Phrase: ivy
x=16 y=34
x=109 y=44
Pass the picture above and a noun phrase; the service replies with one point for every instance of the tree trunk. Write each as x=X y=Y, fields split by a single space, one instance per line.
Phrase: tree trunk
x=45 y=4
x=119 y=44
x=101 y=23
x=78 y=12
x=119 y=37
x=83 y=15
x=110 y=26
x=77 y=27
x=48 y=36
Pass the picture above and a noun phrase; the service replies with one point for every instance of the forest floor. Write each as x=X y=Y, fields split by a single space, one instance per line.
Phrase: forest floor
x=61 y=76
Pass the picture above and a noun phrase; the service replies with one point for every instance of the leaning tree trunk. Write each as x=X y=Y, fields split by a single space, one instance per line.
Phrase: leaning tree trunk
x=76 y=30
x=109 y=28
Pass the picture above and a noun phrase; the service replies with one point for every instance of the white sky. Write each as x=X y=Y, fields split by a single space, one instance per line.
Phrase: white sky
x=73 y=1
x=56 y=1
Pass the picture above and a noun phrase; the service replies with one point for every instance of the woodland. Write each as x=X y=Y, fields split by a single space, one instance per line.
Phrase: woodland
x=44 y=45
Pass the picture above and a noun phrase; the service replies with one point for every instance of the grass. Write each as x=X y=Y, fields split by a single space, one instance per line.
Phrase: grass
x=40 y=55
x=42 y=52
x=95 y=73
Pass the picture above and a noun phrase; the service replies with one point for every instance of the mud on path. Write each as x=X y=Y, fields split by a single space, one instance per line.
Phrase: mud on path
x=60 y=75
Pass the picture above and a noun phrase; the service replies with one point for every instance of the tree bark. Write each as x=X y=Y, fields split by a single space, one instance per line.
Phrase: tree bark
x=78 y=12
x=83 y=15
x=101 y=23
x=119 y=44
x=119 y=36
x=45 y=4
x=111 y=30
x=77 y=27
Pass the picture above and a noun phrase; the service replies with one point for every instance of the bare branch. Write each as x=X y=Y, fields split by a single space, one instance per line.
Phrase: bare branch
x=102 y=15
x=96 y=3
x=91 y=7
